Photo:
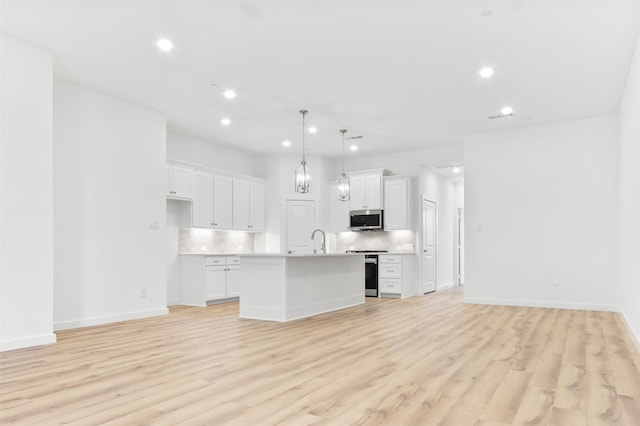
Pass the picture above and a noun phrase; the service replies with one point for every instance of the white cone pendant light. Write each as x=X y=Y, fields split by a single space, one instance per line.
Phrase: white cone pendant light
x=303 y=178
x=344 y=184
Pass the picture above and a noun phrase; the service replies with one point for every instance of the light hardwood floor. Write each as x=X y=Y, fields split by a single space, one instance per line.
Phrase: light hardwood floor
x=419 y=361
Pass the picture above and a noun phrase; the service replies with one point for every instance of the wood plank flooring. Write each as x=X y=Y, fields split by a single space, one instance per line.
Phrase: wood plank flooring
x=420 y=361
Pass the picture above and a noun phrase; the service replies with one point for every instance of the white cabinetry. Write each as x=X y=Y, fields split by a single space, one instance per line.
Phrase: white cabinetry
x=397 y=275
x=179 y=181
x=222 y=202
x=366 y=190
x=202 y=208
x=398 y=200
x=248 y=205
x=208 y=278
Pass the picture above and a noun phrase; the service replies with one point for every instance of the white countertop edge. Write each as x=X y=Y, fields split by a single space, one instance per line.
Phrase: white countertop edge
x=244 y=254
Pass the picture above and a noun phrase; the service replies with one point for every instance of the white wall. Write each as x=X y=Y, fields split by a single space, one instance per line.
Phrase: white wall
x=439 y=189
x=403 y=163
x=215 y=156
x=178 y=216
x=26 y=196
x=629 y=220
x=541 y=206
x=109 y=188
x=280 y=171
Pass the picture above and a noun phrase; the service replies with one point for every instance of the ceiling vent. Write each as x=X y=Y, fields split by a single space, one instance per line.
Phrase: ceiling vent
x=493 y=117
x=450 y=166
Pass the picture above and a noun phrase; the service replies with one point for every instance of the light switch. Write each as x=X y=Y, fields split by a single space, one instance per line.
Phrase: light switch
x=154 y=224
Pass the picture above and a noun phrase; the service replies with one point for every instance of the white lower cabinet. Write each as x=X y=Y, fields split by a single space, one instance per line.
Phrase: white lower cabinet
x=397 y=275
x=208 y=278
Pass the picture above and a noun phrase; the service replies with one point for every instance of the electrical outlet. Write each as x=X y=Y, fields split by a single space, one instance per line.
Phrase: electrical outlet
x=143 y=292
x=555 y=285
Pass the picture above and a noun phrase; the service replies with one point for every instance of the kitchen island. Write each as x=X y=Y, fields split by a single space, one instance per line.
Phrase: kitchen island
x=289 y=287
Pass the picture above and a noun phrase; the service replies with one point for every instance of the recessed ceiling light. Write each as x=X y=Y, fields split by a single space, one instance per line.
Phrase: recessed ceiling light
x=286 y=143
x=164 y=44
x=486 y=13
x=229 y=94
x=353 y=147
x=456 y=170
x=486 y=72
x=506 y=110
x=225 y=121
x=312 y=129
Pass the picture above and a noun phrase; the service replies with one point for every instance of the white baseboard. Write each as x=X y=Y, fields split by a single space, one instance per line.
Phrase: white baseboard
x=27 y=342
x=173 y=302
x=634 y=336
x=444 y=286
x=540 y=304
x=87 y=322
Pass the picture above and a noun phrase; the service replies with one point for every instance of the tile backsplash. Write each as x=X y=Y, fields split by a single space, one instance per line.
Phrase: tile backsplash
x=375 y=240
x=192 y=240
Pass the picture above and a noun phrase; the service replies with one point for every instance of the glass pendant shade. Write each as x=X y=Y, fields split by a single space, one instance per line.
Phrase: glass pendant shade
x=344 y=187
x=303 y=178
x=344 y=183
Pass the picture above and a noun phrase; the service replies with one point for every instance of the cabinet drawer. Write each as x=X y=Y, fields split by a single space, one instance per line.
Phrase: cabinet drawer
x=389 y=270
x=214 y=260
x=390 y=286
x=389 y=258
x=233 y=260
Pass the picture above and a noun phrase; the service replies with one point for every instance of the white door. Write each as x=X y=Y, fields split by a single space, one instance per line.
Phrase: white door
x=301 y=219
x=429 y=219
x=373 y=191
x=241 y=205
x=181 y=182
x=215 y=282
x=233 y=280
x=202 y=200
x=358 y=193
x=257 y=206
x=460 y=246
x=222 y=202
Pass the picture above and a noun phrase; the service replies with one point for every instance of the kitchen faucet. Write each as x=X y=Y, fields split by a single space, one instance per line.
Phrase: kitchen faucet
x=324 y=239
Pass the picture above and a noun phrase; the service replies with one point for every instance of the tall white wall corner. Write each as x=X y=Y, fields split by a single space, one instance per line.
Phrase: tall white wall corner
x=26 y=191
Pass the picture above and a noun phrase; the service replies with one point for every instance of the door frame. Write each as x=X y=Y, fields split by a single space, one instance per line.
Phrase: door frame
x=460 y=250
x=423 y=198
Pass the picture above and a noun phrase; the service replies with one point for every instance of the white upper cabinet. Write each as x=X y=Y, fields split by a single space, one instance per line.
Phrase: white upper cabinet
x=241 y=204
x=248 y=205
x=366 y=190
x=257 y=203
x=222 y=202
x=202 y=207
x=180 y=182
x=397 y=202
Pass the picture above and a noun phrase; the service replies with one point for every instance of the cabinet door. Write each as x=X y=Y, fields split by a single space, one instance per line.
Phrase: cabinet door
x=169 y=189
x=241 y=205
x=256 y=206
x=233 y=281
x=215 y=282
x=202 y=201
x=373 y=191
x=222 y=202
x=181 y=182
x=358 y=193
x=396 y=198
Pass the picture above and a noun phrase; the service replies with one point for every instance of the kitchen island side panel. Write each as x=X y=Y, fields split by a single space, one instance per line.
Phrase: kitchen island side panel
x=262 y=288
x=321 y=284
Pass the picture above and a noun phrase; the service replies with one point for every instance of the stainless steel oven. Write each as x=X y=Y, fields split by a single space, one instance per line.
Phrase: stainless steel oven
x=371 y=275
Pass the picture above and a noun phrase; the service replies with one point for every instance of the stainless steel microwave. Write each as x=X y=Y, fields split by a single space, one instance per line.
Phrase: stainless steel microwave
x=365 y=220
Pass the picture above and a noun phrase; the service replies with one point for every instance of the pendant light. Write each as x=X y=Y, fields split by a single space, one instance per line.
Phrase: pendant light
x=344 y=184
x=303 y=179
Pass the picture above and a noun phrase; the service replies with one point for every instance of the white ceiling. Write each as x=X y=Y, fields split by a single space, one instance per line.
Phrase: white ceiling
x=401 y=73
